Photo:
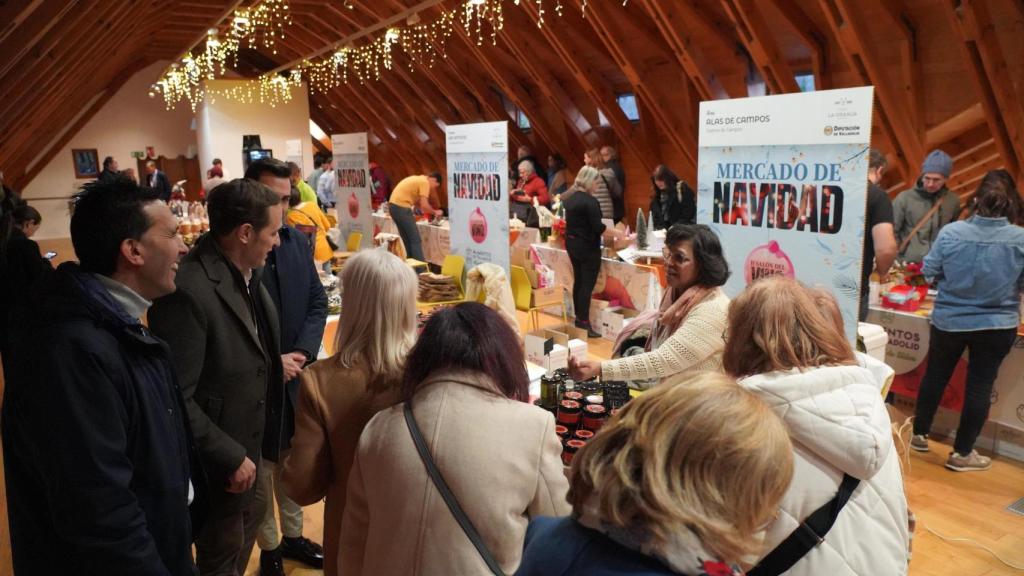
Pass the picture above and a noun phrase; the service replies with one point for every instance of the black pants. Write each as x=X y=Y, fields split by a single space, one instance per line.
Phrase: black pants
x=405 y=221
x=986 y=350
x=586 y=263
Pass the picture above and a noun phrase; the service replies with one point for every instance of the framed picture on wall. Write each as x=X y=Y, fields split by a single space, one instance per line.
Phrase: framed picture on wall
x=87 y=163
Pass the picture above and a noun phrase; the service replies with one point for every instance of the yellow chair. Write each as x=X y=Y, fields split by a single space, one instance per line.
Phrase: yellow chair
x=454 y=266
x=355 y=239
x=522 y=293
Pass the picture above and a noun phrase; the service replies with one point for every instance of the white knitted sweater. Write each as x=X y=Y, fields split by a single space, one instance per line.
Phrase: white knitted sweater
x=696 y=345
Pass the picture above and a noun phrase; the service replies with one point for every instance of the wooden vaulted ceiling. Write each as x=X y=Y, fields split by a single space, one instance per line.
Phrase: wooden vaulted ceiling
x=948 y=73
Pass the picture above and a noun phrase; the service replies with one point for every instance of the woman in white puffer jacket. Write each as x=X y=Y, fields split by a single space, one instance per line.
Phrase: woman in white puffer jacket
x=782 y=347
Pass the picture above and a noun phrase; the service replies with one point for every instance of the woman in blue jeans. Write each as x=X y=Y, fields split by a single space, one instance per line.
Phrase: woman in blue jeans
x=978 y=265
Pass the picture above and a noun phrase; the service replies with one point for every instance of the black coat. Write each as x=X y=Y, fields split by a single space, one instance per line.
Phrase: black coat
x=682 y=205
x=230 y=369
x=294 y=285
x=20 y=268
x=96 y=448
x=618 y=202
x=162 y=185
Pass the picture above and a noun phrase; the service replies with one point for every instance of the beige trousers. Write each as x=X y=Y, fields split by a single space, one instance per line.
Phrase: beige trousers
x=268 y=486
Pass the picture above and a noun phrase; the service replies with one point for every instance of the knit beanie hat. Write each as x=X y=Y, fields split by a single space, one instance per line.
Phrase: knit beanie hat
x=937 y=162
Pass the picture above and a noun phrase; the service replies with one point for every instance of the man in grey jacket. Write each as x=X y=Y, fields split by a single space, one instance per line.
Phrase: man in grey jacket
x=929 y=203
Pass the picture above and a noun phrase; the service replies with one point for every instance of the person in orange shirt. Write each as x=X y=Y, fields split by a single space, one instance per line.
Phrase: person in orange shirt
x=412 y=192
x=309 y=214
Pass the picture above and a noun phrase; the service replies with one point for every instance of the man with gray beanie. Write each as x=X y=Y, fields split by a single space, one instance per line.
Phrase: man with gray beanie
x=920 y=212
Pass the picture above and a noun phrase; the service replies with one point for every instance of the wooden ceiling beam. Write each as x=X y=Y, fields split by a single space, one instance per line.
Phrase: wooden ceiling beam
x=970 y=175
x=400 y=154
x=46 y=154
x=526 y=52
x=550 y=137
x=458 y=72
x=423 y=84
x=408 y=121
x=24 y=36
x=14 y=12
x=987 y=64
x=669 y=18
x=910 y=67
x=64 y=50
x=852 y=33
x=403 y=141
x=29 y=114
x=683 y=140
x=813 y=38
x=591 y=83
x=970 y=118
x=760 y=42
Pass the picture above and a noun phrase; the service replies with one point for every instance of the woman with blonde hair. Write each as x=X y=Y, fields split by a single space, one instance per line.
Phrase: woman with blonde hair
x=679 y=482
x=607 y=185
x=782 y=347
x=340 y=394
x=583 y=233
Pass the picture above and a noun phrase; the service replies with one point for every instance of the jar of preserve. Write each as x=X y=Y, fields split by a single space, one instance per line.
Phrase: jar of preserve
x=574 y=396
x=571 y=447
x=562 y=432
x=584 y=435
x=569 y=413
x=595 y=399
x=594 y=417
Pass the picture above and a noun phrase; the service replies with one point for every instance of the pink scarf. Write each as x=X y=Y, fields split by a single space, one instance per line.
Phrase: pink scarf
x=667 y=319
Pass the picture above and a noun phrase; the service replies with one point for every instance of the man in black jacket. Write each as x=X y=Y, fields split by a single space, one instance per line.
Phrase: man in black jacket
x=294 y=285
x=96 y=445
x=222 y=328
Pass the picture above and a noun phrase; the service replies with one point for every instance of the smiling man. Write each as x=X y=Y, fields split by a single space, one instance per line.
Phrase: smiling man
x=223 y=332
x=94 y=432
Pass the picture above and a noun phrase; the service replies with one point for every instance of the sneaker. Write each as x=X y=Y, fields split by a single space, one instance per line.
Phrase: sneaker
x=919 y=442
x=969 y=463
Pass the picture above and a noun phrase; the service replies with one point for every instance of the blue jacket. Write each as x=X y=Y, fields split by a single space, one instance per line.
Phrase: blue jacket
x=96 y=444
x=291 y=279
x=979 y=266
x=563 y=547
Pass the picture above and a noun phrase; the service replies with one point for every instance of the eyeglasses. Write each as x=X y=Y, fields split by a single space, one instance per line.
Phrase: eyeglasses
x=674 y=257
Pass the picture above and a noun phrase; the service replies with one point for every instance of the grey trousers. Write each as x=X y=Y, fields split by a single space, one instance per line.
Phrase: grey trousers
x=268 y=486
x=407 y=229
x=226 y=540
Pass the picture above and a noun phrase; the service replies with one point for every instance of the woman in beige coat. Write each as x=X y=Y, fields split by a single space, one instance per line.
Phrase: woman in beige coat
x=339 y=395
x=467 y=384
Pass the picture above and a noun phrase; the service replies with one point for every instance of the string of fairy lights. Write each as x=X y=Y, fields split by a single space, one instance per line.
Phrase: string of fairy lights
x=263 y=25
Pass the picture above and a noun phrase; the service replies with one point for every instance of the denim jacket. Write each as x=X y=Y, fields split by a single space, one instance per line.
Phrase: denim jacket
x=978 y=264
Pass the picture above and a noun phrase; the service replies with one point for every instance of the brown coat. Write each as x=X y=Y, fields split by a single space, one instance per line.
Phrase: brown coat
x=335 y=403
x=499 y=456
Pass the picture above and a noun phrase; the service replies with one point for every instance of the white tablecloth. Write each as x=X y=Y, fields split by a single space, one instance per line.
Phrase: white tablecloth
x=633 y=286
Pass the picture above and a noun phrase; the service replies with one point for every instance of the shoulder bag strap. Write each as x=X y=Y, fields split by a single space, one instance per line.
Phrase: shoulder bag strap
x=920 y=223
x=808 y=535
x=447 y=494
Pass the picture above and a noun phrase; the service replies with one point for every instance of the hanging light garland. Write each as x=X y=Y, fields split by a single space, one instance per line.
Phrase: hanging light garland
x=263 y=25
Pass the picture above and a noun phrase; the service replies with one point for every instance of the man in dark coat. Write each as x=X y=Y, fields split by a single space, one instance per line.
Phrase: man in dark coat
x=294 y=285
x=96 y=445
x=158 y=181
x=223 y=331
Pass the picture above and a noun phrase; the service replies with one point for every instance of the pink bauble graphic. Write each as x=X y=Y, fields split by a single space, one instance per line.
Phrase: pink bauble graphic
x=478 y=226
x=353 y=206
x=767 y=260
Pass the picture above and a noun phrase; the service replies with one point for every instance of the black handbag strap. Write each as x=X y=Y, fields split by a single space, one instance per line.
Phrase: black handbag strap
x=808 y=535
x=447 y=494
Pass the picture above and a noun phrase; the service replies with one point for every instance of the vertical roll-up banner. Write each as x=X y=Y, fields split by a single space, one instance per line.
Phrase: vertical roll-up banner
x=352 y=193
x=783 y=181
x=478 y=192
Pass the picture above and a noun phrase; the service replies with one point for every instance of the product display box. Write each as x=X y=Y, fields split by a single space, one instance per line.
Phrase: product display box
x=566 y=340
x=546 y=296
x=614 y=319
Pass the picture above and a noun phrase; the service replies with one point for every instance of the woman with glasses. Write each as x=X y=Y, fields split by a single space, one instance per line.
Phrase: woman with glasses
x=688 y=331
x=583 y=231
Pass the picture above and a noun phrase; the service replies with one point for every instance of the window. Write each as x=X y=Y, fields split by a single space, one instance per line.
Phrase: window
x=805 y=82
x=316 y=131
x=627 y=102
x=522 y=120
x=602 y=120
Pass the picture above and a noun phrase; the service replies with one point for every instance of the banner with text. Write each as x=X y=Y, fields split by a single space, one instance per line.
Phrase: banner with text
x=783 y=181
x=478 y=192
x=352 y=193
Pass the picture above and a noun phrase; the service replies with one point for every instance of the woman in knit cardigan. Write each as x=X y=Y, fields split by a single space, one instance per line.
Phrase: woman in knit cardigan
x=688 y=332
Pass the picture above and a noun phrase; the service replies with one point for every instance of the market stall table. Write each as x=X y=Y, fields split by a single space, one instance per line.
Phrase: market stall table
x=635 y=287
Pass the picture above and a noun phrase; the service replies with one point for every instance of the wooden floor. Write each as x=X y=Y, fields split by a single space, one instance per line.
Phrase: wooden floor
x=958 y=505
